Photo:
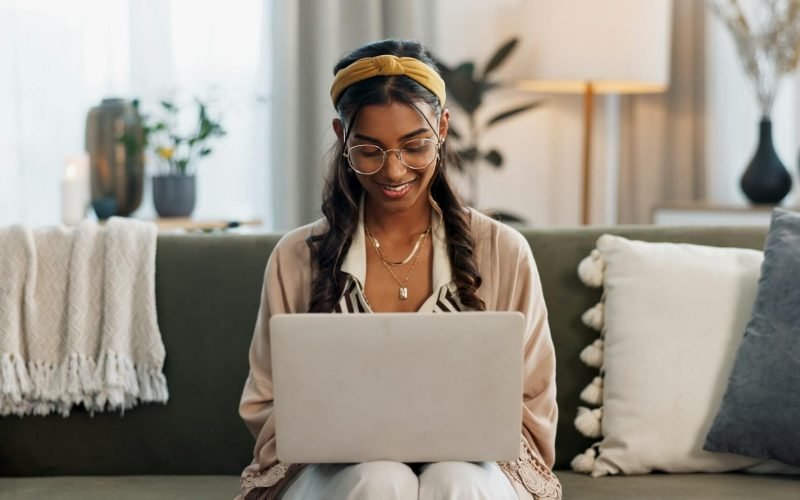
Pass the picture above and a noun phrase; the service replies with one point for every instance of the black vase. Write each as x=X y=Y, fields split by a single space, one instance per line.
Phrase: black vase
x=766 y=179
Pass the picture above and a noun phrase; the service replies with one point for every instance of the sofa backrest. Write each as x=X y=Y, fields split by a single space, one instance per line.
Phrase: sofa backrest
x=207 y=293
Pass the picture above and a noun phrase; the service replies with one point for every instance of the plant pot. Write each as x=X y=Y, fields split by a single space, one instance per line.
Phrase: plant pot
x=174 y=195
x=766 y=179
x=115 y=143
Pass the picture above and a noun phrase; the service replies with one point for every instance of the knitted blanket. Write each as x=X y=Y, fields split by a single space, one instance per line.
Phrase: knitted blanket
x=78 y=318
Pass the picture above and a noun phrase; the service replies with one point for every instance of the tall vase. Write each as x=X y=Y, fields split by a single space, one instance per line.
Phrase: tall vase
x=766 y=179
x=115 y=143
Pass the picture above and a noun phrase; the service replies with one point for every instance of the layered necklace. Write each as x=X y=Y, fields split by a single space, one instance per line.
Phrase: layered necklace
x=412 y=257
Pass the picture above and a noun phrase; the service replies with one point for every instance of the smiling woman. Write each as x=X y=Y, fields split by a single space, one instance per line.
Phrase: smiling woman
x=396 y=238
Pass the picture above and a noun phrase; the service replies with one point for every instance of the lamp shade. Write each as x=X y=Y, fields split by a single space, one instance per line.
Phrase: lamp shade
x=617 y=46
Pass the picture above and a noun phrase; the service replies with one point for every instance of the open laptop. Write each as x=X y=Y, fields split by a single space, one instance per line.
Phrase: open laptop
x=424 y=387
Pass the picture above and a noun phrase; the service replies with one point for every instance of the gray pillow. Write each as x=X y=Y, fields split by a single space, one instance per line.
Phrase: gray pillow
x=760 y=413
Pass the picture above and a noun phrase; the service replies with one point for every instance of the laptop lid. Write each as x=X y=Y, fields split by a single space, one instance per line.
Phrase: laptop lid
x=423 y=387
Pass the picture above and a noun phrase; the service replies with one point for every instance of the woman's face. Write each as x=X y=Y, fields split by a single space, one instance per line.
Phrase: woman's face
x=395 y=187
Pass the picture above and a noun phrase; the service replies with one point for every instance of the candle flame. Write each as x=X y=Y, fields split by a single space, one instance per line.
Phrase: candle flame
x=71 y=172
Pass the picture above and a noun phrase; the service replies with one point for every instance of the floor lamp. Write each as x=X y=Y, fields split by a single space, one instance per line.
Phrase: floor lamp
x=593 y=47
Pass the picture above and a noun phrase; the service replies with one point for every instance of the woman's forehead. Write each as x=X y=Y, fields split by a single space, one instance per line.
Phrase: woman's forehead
x=393 y=121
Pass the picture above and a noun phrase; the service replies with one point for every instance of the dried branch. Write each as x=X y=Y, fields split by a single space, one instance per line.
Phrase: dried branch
x=767 y=37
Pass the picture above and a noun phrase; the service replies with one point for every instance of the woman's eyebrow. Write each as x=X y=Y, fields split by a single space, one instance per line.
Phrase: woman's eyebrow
x=421 y=130
x=406 y=136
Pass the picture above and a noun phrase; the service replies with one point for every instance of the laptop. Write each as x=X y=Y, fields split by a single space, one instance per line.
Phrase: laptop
x=425 y=387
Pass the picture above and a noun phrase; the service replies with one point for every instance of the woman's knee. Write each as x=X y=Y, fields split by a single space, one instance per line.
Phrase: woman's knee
x=452 y=480
x=389 y=480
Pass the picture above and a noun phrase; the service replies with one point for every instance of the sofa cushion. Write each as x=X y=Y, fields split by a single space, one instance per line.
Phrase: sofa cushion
x=673 y=317
x=120 y=487
x=652 y=487
x=761 y=408
x=682 y=486
x=558 y=252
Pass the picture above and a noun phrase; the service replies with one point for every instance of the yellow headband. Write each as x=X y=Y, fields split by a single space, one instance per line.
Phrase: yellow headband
x=388 y=65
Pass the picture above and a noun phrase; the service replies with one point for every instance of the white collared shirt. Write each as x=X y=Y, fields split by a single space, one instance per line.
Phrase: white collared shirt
x=444 y=297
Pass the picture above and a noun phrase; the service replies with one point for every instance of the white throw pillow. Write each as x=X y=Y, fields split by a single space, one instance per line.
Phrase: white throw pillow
x=672 y=318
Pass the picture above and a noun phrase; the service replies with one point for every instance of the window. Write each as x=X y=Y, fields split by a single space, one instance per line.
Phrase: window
x=58 y=59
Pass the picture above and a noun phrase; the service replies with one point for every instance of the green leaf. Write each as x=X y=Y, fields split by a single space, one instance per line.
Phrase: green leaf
x=205 y=151
x=500 y=55
x=463 y=88
x=513 y=112
x=168 y=105
x=494 y=157
x=468 y=154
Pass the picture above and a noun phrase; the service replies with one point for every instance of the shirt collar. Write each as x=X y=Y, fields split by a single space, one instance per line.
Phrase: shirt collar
x=355 y=262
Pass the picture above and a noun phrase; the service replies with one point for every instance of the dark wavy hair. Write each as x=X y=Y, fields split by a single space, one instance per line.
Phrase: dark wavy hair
x=342 y=190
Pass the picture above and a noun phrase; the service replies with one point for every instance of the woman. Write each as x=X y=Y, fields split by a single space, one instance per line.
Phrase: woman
x=395 y=237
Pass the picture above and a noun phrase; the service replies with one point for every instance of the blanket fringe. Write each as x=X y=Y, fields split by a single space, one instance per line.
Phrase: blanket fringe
x=44 y=388
x=15 y=385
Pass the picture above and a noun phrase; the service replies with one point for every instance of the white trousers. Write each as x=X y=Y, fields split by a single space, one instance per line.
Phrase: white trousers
x=398 y=481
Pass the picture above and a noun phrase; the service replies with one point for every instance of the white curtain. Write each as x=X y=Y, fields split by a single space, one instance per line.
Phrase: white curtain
x=58 y=59
x=309 y=38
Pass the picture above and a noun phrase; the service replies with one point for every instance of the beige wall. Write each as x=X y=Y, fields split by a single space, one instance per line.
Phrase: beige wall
x=541 y=176
x=540 y=179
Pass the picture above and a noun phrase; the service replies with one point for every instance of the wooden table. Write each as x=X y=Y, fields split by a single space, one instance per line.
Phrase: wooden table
x=203 y=225
x=699 y=213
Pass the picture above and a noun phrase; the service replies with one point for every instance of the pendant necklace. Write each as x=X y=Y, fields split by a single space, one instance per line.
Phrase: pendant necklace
x=415 y=254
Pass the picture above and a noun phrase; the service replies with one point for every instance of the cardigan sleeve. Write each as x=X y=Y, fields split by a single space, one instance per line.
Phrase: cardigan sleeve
x=256 y=405
x=285 y=290
x=512 y=283
x=517 y=287
x=540 y=411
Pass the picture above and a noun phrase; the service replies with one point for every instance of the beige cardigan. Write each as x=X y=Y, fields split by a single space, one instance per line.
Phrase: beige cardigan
x=510 y=283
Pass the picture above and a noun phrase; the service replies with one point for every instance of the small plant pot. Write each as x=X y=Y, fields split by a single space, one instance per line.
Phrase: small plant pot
x=174 y=195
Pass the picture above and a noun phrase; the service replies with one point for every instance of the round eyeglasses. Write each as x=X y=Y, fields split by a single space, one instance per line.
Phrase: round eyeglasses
x=416 y=154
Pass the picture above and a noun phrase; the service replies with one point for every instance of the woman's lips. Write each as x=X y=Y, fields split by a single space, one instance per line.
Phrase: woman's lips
x=396 y=191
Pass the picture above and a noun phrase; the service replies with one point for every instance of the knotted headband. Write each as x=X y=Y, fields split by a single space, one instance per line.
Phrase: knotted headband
x=388 y=65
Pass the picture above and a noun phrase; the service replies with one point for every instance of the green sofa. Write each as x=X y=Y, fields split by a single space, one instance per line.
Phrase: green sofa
x=207 y=292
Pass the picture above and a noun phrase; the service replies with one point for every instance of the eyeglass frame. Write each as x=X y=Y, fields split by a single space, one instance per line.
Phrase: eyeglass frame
x=399 y=153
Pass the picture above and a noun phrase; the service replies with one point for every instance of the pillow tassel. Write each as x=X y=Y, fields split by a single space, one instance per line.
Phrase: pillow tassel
x=591 y=269
x=593 y=318
x=593 y=393
x=588 y=421
x=592 y=355
x=584 y=462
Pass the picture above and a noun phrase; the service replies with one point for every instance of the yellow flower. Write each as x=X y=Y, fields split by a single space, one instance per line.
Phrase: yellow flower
x=165 y=152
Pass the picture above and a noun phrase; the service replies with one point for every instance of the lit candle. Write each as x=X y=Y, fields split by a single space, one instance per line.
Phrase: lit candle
x=75 y=191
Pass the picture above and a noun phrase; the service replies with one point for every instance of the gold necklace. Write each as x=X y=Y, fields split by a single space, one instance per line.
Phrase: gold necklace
x=403 y=284
x=377 y=245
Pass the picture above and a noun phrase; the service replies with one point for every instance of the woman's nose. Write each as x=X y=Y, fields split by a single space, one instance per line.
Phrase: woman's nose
x=395 y=169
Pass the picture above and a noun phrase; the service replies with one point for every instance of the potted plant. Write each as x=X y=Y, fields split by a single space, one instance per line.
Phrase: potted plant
x=177 y=154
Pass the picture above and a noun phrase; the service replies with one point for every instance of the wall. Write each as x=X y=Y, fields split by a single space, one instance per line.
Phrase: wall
x=541 y=177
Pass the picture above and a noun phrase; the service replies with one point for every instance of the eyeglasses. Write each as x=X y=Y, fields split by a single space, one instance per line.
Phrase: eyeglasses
x=416 y=154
